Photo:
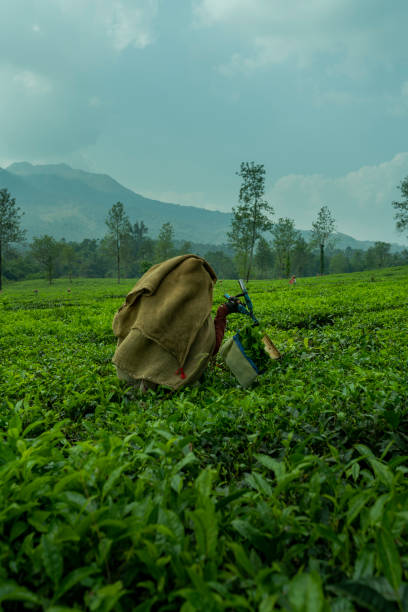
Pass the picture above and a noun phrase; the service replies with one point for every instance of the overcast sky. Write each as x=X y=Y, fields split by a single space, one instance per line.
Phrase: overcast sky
x=169 y=96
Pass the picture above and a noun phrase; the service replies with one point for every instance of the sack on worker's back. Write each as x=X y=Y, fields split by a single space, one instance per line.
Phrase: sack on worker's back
x=244 y=363
x=164 y=328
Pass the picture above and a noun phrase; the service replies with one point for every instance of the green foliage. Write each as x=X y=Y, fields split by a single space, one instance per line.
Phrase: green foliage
x=86 y=197
x=223 y=265
x=46 y=250
x=322 y=230
x=291 y=495
x=251 y=340
x=164 y=248
x=401 y=215
x=285 y=238
x=119 y=234
x=251 y=217
x=10 y=219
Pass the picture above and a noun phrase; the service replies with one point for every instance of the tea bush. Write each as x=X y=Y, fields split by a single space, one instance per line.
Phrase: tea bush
x=290 y=495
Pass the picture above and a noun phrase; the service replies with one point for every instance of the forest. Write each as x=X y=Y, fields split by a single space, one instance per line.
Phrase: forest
x=46 y=257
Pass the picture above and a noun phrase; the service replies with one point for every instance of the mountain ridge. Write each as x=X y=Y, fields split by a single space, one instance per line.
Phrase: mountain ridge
x=73 y=204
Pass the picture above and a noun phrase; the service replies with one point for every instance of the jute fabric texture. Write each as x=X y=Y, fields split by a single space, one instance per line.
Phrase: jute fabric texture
x=164 y=328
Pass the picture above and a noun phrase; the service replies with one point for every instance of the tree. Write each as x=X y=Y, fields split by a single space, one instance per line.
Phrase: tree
x=378 y=256
x=164 y=244
x=250 y=217
x=119 y=233
x=46 y=251
x=339 y=263
x=302 y=258
x=94 y=257
x=401 y=216
x=222 y=264
x=69 y=258
x=10 y=217
x=357 y=260
x=183 y=248
x=322 y=229
x=140 y=247
x=186 y=247
x=138 y=234
x=402 y=258
x=264 y=257
x=284 y=241
x=19 y=264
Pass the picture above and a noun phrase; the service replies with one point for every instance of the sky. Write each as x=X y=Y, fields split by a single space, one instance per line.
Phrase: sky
x=169 y=97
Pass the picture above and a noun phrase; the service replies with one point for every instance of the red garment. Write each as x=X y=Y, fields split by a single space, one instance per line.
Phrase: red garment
x=220 y=323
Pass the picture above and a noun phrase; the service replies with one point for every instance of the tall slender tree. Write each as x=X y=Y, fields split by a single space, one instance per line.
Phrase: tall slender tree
x=164 y=248
x=119 y=233
x=251 y=217
x=285 y=237
x=322 y=230
x=401 y=215
x=10 y=218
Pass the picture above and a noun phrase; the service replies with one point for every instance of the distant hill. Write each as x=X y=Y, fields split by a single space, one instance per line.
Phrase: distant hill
x=73 y=204
x=342 y=241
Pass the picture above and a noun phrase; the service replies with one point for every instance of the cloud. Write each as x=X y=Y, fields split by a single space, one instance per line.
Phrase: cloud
x=267 y=51
x=33 y=82
x=122 y=23
x=56 y=60
x=349 y=38
x=41 y=118
x=129 y=26
x=360 y=200
x=275 y=30
x=79 y=32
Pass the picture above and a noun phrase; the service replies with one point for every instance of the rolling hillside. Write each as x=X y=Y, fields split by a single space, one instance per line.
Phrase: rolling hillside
x=73 y=204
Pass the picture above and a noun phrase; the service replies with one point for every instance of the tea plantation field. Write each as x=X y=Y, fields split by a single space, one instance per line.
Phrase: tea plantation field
x=290 y=495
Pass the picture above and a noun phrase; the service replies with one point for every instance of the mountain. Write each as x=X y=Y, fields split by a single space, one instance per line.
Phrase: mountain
x=73 y=204
x=342 y=241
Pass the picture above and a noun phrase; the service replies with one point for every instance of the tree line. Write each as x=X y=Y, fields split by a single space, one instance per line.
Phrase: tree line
x=257 y=247
x=286 y=251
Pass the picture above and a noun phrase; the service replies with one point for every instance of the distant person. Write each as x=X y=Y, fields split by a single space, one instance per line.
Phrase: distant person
x=292 y=281
x=166 y=335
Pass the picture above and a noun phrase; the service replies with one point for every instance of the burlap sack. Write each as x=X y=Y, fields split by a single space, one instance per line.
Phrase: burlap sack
x=165 y=331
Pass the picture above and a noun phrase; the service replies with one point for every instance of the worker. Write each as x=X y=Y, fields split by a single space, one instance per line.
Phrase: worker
x=166 y=335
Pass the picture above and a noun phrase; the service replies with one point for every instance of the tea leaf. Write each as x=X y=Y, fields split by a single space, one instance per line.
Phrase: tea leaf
x=388 y=558
x=51 y=557
x=305 y=593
